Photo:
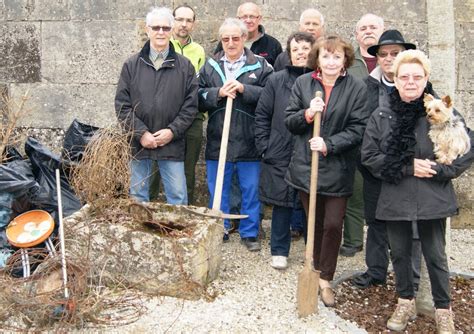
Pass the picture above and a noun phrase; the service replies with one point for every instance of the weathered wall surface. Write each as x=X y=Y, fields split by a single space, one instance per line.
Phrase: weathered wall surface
x=68 y=53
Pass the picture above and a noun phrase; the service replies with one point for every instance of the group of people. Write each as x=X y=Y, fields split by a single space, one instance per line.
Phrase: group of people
x=372 y=121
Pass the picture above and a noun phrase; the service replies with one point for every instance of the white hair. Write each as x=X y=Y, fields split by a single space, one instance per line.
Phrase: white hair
x=412 y=57
x=160 y=13
x=377 y=18
x=312 y=11
x=233 y=22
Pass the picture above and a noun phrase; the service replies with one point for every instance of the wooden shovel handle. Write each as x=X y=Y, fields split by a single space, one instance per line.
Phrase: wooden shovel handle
x=313 y=192
x=216 y=204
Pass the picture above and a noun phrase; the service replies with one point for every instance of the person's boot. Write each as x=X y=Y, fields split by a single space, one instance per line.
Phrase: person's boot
x=405 y=311
x=444 y=321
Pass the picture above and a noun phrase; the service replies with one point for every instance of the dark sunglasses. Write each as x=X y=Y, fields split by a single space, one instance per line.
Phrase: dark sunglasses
x=158 y=28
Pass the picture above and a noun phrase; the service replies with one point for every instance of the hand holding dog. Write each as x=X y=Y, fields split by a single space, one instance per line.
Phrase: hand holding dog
x=422 y=168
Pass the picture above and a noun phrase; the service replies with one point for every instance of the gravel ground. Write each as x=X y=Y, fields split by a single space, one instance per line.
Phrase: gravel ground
x=253 y=297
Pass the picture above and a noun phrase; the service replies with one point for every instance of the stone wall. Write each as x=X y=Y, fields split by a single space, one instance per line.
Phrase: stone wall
x=68 y=53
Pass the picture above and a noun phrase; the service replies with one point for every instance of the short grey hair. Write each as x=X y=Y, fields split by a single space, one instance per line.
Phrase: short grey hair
x=377 y=18
x=160 y=13
x=233 y=22
x=312 y=11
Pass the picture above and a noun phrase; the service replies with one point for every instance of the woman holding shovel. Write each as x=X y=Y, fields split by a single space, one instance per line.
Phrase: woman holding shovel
x=343 y=121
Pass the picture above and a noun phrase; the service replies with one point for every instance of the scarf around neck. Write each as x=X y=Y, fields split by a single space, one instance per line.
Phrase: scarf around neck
x=402 y=140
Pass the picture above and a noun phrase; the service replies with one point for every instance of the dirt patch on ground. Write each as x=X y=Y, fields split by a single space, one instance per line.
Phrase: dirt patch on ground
x=371 y=308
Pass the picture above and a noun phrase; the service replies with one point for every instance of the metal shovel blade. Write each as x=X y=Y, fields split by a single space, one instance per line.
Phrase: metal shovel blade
x=213 y=213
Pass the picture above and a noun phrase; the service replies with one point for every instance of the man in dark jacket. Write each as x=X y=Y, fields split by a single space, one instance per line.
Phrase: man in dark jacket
x=156 y=100
x=258 y=41
x=238 y=74
x=367 y=33
x=311 y=21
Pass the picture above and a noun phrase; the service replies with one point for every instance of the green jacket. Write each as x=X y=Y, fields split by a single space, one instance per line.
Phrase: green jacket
x=192 y=50
x=359 y=68
x=196 y=55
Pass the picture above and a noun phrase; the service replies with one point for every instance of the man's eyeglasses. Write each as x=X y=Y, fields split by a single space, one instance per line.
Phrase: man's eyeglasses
x=249 y=17
x=182 y=19
x=233 y=38
x=158 y=28
x=384 y=54
x=415 y=77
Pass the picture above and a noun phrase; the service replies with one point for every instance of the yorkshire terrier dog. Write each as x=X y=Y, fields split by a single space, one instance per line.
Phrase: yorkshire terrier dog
x=447 y=131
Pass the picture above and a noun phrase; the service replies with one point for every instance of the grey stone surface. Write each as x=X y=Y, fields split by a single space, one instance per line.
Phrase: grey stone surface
x=113 y=9
x=139 y=257
x=465 y=53
x=2 y=10
x=20 y=47
x=37 y=9
x=89 y=52
x=464 y=10
x=58 y=105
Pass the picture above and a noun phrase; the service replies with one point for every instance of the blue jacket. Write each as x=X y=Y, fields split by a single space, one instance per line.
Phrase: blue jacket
x=253 y=75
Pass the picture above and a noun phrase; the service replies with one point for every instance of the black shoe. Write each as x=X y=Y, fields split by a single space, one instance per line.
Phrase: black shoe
x=365 y=281
x=349 y=251
x=296 y=234
x=225 y=238
x=252 y=244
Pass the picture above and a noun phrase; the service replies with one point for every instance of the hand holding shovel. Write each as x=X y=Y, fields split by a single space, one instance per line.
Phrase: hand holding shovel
x=308 y=278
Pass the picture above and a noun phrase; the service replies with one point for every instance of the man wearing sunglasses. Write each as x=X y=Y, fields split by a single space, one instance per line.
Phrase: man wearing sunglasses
x=258 y=41
x=238 y=74
x=380 y=84
x=156 y=101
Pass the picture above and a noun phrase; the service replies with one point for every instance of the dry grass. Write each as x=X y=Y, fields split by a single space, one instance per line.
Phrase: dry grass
x=11 y=112
x=103 y=173
x=37 y=303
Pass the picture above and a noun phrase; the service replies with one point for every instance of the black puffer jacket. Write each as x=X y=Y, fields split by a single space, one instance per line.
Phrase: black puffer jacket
x=342 y=127
x=412 y=198
x=376 y=95
x=253 y=75
x=151 y=100
x=274 y=141
x=266 y=46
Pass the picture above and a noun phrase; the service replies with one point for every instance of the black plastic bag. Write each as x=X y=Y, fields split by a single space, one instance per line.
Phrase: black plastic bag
x=11 y=153
x=76 y=139
x=16 y=178
x=44 y=164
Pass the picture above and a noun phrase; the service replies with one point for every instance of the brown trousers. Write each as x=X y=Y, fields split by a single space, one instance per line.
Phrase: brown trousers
x=330 y=213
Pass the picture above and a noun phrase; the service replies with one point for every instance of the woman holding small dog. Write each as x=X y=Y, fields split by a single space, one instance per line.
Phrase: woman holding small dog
x=397 y=149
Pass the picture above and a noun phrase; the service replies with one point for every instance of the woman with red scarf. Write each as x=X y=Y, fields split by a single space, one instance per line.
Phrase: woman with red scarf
x=342 y=126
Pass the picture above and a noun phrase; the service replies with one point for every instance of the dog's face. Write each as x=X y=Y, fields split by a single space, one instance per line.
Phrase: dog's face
x=438 y=111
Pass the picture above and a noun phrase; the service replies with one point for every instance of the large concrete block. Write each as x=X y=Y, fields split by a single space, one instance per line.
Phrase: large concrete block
x=36 y=10
x=464 y=103
x=113 y=9
x=213 y=10
x=86 y=52
x=388 y=9
x=464 y=186
x=20 y=50
x=140 y=257
x=464 y=10
x=55 y=105
x=464 y=55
